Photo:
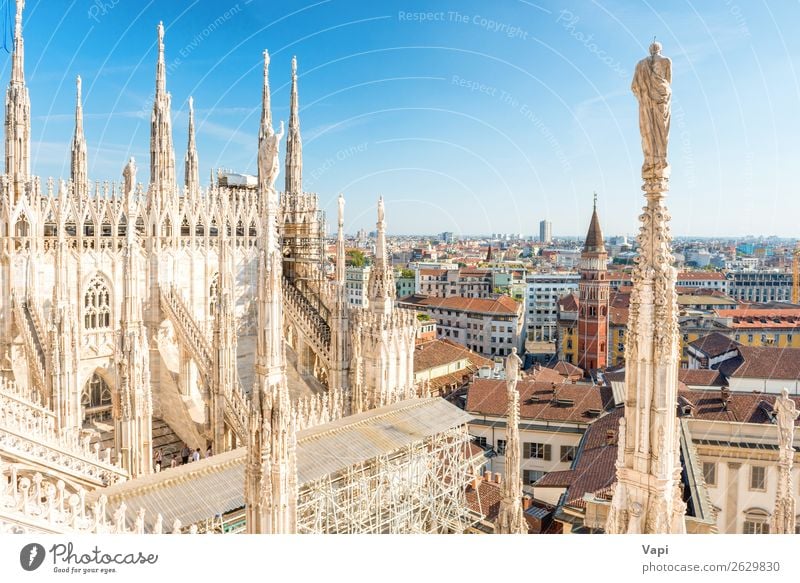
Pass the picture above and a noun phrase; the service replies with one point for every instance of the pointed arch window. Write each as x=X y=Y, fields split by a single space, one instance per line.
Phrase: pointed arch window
x=96 y=398
x=185 y=228
x=97 y=304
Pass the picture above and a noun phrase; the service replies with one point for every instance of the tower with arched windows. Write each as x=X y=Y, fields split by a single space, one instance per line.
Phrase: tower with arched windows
x=593 y=290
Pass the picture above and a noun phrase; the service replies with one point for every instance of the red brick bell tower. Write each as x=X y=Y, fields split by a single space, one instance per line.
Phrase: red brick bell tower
x=593 y=292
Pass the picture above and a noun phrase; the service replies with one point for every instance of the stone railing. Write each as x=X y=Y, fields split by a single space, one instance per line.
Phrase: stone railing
x=39 y=328
x=193 y=338
x=40 y=505
x=237 y=411
x=301 y=312
x=32 y=354
x=190 y=334
x=28 y=432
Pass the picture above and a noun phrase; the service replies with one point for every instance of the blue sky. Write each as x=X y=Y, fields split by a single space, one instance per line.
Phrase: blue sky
x=473 y=117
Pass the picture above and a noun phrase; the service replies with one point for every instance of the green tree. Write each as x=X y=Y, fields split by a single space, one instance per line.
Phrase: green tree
x=355 y=258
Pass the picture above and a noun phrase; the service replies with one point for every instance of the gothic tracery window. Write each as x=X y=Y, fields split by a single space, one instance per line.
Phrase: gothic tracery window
x=96 y=395
x=97 y=304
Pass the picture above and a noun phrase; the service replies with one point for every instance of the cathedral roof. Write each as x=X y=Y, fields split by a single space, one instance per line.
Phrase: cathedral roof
x=212 y=486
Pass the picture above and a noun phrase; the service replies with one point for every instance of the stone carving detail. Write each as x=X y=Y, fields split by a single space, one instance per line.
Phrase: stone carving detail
x=784 y=515
x=652 y=86
x=650 y=500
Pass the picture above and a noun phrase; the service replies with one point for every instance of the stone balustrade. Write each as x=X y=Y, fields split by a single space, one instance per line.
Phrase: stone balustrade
x=32 y=354
x=316 y=330
x=186 y=327
x=40 y=505
x=28 y=431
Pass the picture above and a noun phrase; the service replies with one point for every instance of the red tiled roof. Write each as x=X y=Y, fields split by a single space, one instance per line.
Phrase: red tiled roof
x=714 y=344
x=764 y=362
x=594 y=469
x=566 y=369
x=742 y=407
x=488 y=397
x=701 y=276
x=569 y=303
x=485 y=500
x=701 y=377
x=440 y=352
x=502 y=305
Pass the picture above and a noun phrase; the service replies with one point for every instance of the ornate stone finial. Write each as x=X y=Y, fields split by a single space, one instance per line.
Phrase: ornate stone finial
x=512 y=367
x=652 y=87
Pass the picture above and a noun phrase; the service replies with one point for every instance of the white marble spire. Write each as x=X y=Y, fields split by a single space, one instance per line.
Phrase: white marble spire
x=380 y=287
x=162 y=154
x=340 y=250
x=271 y=470
x=783 y=519
x=294 y=146
x=78 y=159
x=510 y=517
x=18 y=109
x=191 y=165
x=647 y=497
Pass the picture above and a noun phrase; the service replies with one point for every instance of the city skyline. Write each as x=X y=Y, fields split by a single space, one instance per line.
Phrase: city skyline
x=440 y=111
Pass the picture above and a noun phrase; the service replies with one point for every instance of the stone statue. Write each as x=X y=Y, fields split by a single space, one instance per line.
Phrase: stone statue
x=651 y=86
x=785 y=414
x=341 y=210
x=271 y=158
x=129 y=174
x=513 y=364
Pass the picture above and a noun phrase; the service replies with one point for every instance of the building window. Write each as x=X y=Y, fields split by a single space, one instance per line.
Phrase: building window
x=481 y=441
x=568 y=453
x=501 y=447
x=96 y=398
x=758 y=478
x=97 y=304
x=756 y=521
x=710 y=473
x=536 y=450
x=530 y=476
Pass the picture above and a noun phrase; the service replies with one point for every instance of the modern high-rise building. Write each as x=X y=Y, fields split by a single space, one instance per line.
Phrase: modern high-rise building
x=545 y=232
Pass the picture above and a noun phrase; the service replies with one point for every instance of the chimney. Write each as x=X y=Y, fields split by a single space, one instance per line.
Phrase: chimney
x=498 y=477
x=611 y=437
x=725 y=397
x=476 y=482
x=526 y=502
x=487 y=475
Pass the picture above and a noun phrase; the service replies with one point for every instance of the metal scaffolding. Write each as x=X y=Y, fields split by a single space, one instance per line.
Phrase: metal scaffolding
x=417 y=489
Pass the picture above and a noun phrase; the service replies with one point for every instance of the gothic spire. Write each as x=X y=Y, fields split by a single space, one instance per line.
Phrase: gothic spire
x=294 y=146
x=78 y=167
x=191 y=167
x=648 y=498
x=162 y=155
x=18 y=109
x=594 y=237
x=510 y=519
x=18 y=65
x=266 y=108
x=381 y=280
x=271 y=470
x=340 y=251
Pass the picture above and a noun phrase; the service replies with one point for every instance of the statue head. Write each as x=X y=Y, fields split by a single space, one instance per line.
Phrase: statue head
x=655 y=48
x=513 y=350
x=785 y=393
